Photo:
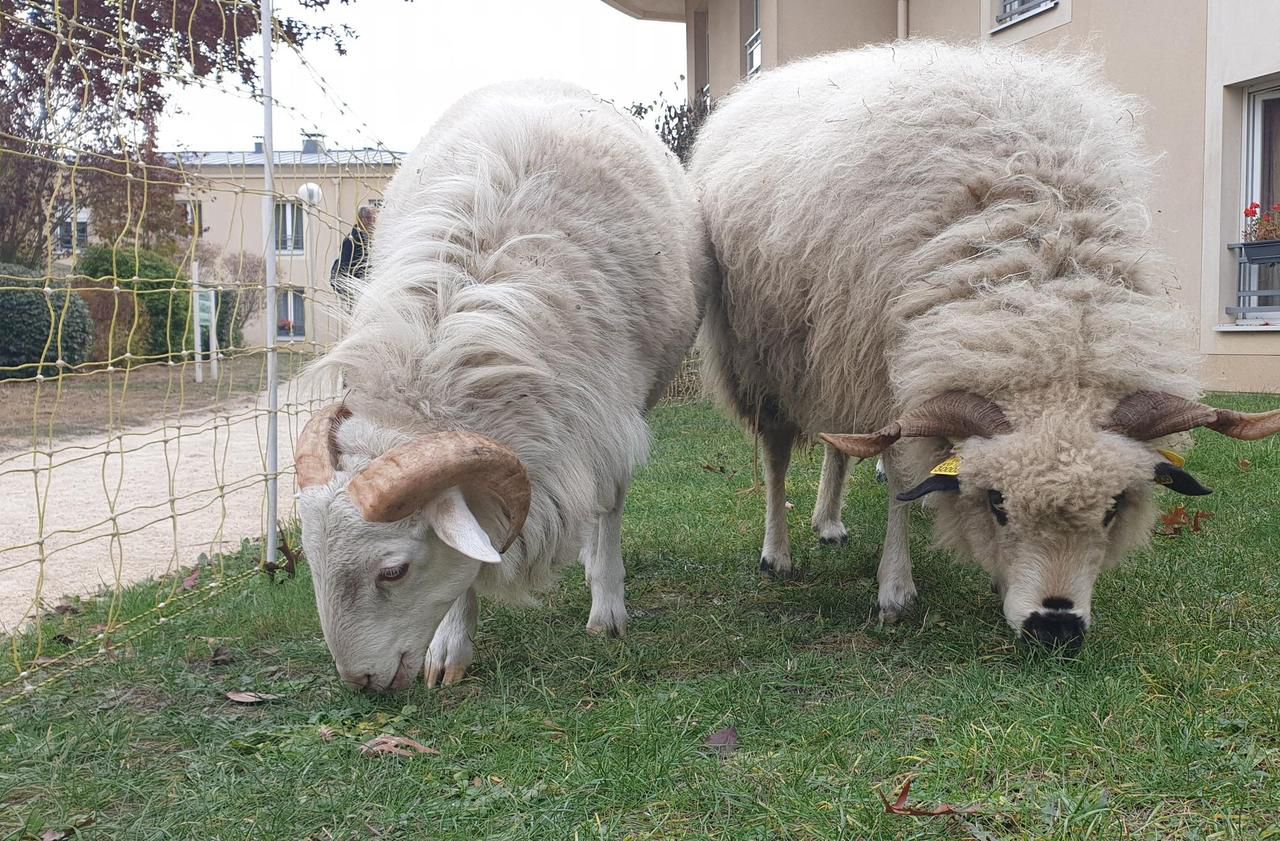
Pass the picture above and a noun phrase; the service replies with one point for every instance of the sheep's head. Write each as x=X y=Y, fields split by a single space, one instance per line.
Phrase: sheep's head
x=1047 y=504
x=395 y=541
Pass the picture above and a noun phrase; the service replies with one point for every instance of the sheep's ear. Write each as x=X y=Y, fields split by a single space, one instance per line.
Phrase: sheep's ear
x=1179 y=481
x=928 y=486
x=453 y=522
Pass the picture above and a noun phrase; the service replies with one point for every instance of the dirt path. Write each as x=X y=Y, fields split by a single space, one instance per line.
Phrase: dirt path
x=161 y=496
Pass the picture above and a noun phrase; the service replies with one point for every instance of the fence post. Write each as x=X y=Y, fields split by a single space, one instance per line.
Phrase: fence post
x=269 y=216
x=195 y=308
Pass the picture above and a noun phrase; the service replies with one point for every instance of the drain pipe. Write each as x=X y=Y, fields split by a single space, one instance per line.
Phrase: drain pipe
x=902 y=20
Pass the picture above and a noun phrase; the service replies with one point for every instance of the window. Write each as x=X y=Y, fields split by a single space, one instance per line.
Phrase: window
x=1261 y=185
x=291 y=315
x=289 y=226
x=750 y=11
x=1009 y=12
x=195 y=218
x=72 y=232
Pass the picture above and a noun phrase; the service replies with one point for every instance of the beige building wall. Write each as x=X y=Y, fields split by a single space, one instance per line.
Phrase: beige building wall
x=1191 y=61
x=232 y=209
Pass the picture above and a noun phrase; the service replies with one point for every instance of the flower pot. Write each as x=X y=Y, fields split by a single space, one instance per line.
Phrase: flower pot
x=1259 y=251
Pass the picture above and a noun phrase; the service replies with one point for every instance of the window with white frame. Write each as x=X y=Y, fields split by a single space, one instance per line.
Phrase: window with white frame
x=750 y=10
x=291 y=315
x=73 y=233
x=1261 y=185
x=289 y=226
x=1009 y=12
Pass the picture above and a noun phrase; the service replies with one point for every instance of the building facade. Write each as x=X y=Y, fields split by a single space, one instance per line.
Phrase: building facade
x=1209 y=71
x=317 y=194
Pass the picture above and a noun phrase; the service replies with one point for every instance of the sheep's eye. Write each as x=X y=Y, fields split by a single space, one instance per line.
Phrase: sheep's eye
x=997 y=507
x=1117 y=502
x=394 y=573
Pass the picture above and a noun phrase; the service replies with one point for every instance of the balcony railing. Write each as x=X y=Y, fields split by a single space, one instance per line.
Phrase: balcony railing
x=1012 y=11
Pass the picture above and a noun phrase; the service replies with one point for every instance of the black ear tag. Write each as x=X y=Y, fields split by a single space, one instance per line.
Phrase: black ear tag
x=928 y=486
x=1179 y=480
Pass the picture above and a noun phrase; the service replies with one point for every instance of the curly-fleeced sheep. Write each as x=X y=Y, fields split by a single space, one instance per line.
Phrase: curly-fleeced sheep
x=949 y=245
x=537 y=275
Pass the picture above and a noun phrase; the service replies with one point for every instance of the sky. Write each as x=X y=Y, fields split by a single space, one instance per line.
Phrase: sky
x=411 y=61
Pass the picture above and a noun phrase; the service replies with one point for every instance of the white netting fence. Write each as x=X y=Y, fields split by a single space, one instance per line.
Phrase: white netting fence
x=146 y=297
x=157 y=305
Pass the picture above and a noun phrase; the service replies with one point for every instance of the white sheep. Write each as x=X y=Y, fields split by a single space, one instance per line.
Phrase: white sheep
x=949 y=244
x=536 y=278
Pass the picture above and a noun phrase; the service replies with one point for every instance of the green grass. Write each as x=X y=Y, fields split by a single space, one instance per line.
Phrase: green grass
x=1166 y=726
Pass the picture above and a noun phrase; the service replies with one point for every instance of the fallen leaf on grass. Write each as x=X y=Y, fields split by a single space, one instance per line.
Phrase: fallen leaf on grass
x=1244 y=464
x=192 y=581
x=252 y=697
x=327 y=733
x=724 y=742
x=221 y=656
x=55 y=834
x=1174 y=521
x=1199 y=517
x=66 y=610
x=900 y=807
x=396 y=746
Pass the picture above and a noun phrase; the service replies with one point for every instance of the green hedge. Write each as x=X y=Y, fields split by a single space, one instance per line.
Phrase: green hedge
x=157 y=288
x=27 y=325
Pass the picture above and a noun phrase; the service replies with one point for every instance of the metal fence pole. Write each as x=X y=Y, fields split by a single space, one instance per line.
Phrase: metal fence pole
x=268 y=213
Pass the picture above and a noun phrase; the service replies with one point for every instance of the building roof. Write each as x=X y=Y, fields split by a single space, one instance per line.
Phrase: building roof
x=668 y=10
x=328 y=157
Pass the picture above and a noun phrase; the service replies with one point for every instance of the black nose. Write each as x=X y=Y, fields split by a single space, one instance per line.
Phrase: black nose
x=1055 y=629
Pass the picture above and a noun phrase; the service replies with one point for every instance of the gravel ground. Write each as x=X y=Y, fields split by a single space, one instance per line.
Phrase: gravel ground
x=160 y=496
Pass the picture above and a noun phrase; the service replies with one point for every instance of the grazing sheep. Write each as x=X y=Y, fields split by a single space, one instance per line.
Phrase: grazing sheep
x=538 y=275
x=948 y=245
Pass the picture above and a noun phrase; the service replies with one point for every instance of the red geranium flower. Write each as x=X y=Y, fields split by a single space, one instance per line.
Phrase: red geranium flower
x=1251 y=211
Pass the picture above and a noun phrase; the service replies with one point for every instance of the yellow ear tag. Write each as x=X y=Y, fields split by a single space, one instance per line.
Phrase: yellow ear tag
x=950 y=467
x=1173 y=458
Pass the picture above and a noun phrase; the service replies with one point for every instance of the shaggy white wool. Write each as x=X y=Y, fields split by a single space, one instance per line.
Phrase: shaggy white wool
x=901 y=221
x=536 y=277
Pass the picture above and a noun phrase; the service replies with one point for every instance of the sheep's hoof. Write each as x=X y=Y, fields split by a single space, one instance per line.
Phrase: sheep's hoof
x=779 y=570
x=892 y=608
x=437 y=674
x=842 y=540
x=448 y=658
x=608 y=619
x=611 y=631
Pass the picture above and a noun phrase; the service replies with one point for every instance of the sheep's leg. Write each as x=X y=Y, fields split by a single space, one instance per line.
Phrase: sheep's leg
x=606 y=575
x=826 y=513
x=450 y=653
x=897 y=588
x=775 y=558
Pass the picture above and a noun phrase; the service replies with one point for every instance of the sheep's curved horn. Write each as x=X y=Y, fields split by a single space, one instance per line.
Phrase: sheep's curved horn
x=955 y=414
x=1146 y=415
x=315 y=456
x=405 y=478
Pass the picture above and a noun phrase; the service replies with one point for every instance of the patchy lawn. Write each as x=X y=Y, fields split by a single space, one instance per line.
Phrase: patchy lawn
x=1166 y=726
x=95 y=402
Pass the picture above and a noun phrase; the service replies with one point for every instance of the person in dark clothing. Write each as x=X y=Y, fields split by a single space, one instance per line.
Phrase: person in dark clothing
x=353 y=261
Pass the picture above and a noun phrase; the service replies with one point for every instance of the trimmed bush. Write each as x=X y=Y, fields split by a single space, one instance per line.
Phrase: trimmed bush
x=114 y=331
x=27 y=325
x=156 y=288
